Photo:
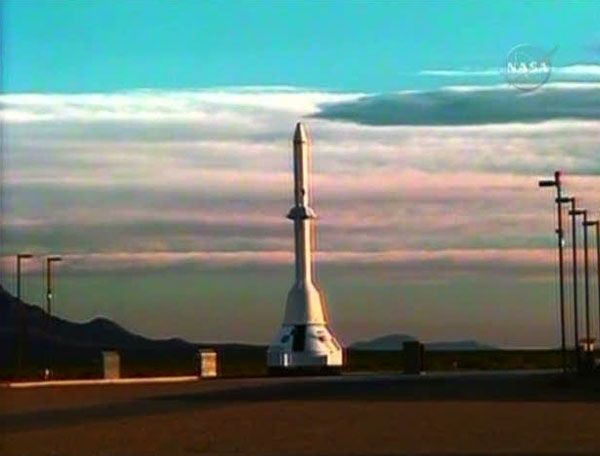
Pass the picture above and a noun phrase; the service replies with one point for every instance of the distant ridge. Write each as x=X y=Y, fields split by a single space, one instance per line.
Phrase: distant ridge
x=394 y=342
x=77 y=341
x=70 y=340
x=97 y=333
x=459 y=345
x=388 y=342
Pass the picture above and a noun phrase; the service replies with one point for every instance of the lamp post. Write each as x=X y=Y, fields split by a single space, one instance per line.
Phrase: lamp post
x=22 y=319
x=598 y=270
x=587 y=223
x=49 y=296
x=49 y=261
x=556 y=182
x=574 y=213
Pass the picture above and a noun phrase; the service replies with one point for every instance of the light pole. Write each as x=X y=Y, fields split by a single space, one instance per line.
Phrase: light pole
x=49 y=261
x=586 y=281
x=574 y=213
x=22 y=319
x=598 y=270
x=586 y=224
x=561 y=280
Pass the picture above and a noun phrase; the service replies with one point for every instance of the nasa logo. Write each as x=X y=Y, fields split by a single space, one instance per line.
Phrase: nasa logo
x=528 y=67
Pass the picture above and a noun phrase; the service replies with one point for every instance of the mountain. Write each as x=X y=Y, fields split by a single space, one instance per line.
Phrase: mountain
x=458 y=345
x=99 y=333
x=383 y=343
x=66 y=341
x=393 y=342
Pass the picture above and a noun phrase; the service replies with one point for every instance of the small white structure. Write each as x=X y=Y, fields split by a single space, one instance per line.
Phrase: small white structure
x=587 y=345
x=304 y=341
x=112 y=365
x=206 y=363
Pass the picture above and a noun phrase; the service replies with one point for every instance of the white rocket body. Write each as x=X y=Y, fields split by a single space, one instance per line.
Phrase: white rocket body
x=304 y=340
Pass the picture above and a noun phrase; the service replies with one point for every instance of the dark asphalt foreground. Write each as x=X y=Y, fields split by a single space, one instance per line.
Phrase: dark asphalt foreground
x=449 y=414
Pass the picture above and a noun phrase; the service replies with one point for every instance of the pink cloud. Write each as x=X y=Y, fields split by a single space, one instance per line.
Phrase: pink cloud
x=459 y=258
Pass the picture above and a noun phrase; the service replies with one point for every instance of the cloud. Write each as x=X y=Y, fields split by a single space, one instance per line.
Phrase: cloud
x=131 y=187
x=222 y=182
x=155 y=106
x=470 y=106
x=576 y=72
x=462 y=73
x=514 y=262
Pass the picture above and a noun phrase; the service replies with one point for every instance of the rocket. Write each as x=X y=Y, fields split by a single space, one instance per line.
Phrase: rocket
x=304 y=341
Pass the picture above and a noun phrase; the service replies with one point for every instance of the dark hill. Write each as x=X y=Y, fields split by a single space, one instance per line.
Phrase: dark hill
x=393 y=342
x=99 y=333
x=69 y=343
x=383 y=343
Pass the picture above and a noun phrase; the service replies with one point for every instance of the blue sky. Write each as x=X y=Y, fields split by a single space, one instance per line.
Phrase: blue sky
x=54 y=46
x=148 y=143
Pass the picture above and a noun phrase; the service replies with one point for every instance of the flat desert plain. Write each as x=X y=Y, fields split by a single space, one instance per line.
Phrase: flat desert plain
x=359 y=414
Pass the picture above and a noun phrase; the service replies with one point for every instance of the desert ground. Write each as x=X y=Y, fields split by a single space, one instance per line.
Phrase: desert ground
x=356 y=414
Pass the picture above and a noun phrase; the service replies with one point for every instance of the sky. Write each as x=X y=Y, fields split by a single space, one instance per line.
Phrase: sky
x=149 y=143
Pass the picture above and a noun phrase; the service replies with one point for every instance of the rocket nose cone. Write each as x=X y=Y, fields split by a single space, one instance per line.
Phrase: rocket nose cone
x=301 y=134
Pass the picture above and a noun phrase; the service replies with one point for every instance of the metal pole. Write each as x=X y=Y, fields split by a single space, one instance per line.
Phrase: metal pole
x=21 y=340
x=48 y=319
x=598 y=270
x=587 y=288
x=575 y=293
x=18 y=277
x=561 y=277
x=49 y=278
x=588 y=223
x=49 y=297
x=48 y=287
x=563 y=345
